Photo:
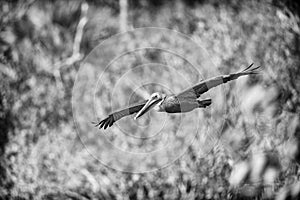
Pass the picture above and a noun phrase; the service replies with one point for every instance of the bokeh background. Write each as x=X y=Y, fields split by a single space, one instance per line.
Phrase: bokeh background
x=44 y=43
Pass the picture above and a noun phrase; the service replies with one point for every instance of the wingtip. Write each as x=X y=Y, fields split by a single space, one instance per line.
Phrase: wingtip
x=248 y=67
x=250 y=70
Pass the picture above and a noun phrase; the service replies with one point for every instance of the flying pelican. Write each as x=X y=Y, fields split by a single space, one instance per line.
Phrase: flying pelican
x=185 y=101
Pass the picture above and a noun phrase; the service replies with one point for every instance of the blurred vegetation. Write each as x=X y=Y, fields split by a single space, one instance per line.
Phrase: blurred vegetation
x=41 y=155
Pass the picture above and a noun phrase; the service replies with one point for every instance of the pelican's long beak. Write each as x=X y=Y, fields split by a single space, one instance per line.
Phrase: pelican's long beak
x=150 y=104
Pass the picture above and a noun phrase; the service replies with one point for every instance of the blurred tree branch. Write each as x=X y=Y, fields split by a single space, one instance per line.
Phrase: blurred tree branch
x=123 y=15
x=76 y=55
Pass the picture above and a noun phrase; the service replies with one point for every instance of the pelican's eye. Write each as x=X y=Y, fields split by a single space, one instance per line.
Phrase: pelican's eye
x=155 y=95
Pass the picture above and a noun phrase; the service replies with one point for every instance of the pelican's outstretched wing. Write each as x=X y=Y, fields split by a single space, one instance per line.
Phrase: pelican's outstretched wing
x=112 y=118
x=204 y=86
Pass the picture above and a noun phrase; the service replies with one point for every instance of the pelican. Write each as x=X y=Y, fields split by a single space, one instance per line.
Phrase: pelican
x=185 y=101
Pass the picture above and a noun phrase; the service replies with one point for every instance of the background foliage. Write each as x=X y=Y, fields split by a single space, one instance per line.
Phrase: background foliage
x=41 y=155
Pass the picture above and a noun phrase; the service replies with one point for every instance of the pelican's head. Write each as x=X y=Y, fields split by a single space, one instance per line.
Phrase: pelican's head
x=155 y=99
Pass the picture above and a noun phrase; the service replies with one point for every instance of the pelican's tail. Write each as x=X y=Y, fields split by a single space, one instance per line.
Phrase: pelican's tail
x=204 y=103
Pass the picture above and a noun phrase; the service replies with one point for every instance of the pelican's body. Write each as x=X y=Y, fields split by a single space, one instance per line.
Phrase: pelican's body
x=185 y=101
x=173 y=104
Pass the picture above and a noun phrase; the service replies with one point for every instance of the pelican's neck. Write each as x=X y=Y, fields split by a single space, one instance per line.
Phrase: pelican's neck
x=158 y=107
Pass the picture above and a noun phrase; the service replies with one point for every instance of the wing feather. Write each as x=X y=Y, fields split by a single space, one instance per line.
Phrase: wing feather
x=202 y=87
x=195 y=91
x=113 y=117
